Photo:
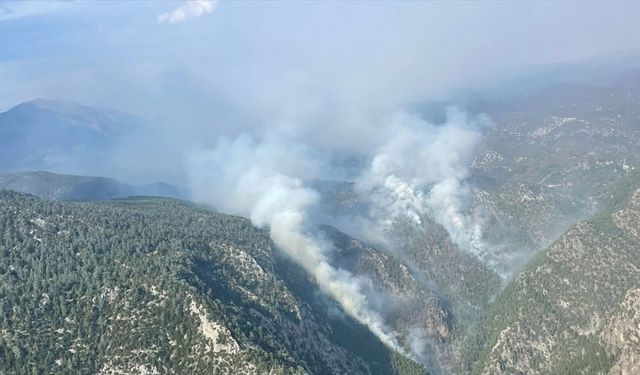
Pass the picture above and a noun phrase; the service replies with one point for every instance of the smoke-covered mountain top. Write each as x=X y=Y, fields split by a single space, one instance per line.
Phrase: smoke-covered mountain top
x=83 y=188
x=73 y=114
x=71 y=138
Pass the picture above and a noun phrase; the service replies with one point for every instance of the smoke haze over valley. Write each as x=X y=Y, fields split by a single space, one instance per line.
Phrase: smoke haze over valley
x=207 y=186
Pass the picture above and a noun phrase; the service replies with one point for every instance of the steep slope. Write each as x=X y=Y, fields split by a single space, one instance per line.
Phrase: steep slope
x=573 y=309
x=427 y=248
x=462 y=284
x=155 y=285
x=82 y=188
x=437 y=291
x=420 y=316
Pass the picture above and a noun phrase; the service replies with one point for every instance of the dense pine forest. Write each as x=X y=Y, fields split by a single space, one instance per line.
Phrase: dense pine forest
x=159 y=285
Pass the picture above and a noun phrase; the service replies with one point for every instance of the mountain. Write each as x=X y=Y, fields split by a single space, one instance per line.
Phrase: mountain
x=556 y=181
x=83 y=188
x=576 y=307
x=58 y=135
x=439 y=291
x=153 y=285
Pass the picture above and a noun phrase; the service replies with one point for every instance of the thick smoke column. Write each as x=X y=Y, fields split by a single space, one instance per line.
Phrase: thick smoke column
x=255 y=180
x=420 y=170
x=415 y=170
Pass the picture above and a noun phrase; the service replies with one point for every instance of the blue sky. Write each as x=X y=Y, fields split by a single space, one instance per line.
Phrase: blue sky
x=235 y=64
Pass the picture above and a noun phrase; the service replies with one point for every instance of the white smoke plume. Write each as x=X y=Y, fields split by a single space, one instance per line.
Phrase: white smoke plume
x=420 y=170
x=416 y=169
x=261 y=180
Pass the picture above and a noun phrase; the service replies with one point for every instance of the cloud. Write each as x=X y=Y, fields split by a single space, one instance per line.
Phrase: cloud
x=190 y=9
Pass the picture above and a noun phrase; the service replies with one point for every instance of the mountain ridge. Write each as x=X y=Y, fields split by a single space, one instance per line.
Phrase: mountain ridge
x=568 y=311
x=212 y=284
x=62 y=136
x=75 y=187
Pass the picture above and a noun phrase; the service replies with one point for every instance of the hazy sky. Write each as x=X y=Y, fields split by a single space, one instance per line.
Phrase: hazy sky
x=228 y=65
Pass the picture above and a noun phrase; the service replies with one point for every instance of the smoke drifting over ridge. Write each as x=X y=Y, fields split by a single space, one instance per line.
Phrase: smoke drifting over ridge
x=256 y=188
x=415 y=169
x=420 y=170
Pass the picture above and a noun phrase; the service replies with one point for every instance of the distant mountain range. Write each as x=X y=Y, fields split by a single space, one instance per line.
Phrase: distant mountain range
x=58 y=135
x=83 y=188
x=68 y=138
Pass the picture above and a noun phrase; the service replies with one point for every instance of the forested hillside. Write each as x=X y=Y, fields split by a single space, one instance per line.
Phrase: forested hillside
x=157 y=285
x=574 y=308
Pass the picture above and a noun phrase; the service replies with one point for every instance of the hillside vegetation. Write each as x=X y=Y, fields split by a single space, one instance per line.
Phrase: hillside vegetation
x=83 y=188
x=154 y=285
x=575 y=309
